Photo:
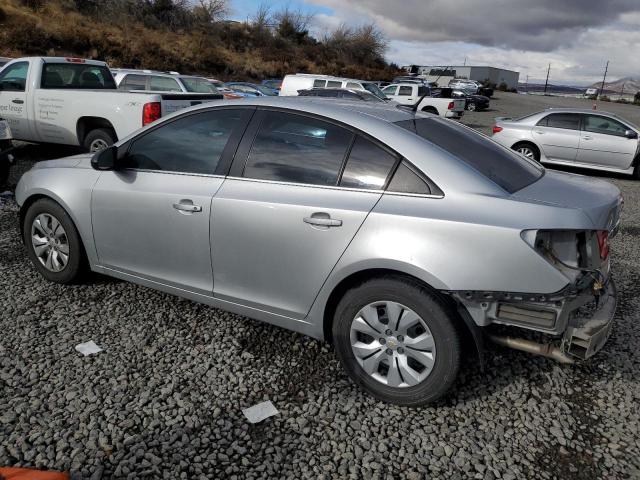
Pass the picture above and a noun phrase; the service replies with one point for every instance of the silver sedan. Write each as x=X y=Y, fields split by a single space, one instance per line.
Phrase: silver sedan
x=391 y=234
x=574 y=137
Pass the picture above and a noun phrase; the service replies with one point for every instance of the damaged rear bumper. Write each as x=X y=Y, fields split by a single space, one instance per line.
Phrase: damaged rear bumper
x=578 y=324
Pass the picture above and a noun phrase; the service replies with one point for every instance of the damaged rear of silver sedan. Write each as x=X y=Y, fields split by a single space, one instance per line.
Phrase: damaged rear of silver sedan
x=392 y=234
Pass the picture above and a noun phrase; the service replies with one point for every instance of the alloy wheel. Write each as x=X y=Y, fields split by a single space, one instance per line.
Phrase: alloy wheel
x=526 y=152
x=50 y=243
x=97 y=145
x=392 y=344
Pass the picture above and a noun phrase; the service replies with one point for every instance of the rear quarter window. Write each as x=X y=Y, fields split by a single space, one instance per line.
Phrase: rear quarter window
x=507 y=169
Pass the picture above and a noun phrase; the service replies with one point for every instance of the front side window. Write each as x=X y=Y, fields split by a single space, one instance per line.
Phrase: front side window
x=568 y=121
x=368 y=166
x=14 y=77
x=390 y=90
x=298 y=149
x=134 y=82
x=605 y=125
x=501 y=165
x=163 y=84
x=192 y=144
x=354 y=86
x=77 y=76
x=405 y=91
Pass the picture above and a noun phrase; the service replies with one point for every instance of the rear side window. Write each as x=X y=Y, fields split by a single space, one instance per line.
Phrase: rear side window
x=198 y=85
x=319 y=83
x=298 y=149
x=423 y=91
x=568 y=121
x=192 y=144
x=368 y=166
x=507 y=169
x=163 y=84
x=134 y=82
x=406 y=91
x=406 y=180
x=77 y=76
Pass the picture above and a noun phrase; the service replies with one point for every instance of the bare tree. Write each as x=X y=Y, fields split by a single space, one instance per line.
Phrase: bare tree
x=262 y=19
x=211 y=11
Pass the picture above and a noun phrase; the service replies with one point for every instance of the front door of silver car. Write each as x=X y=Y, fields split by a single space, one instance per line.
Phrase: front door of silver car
x=289 y=209
x=604 y=142
x=151 y=218
x=559 y=136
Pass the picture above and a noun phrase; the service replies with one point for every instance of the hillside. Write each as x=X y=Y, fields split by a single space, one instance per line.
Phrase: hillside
x=628 y=85
x=167 y=35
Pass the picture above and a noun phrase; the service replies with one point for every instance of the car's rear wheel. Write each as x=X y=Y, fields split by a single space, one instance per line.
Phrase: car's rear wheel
x=397 y=340
x=528 y=150
x=636 y=171
x=53 y=243
x=471 y=107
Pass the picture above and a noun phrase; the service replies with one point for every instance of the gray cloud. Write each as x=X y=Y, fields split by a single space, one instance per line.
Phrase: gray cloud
x=532 y=25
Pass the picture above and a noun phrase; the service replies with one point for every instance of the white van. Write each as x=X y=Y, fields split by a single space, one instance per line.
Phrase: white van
x=304 y=81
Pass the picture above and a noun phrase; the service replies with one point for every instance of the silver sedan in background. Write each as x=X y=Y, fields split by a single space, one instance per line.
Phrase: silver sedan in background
x=393 y=234
x=574 y=137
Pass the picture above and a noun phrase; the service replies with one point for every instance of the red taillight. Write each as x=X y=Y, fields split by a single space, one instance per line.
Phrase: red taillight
x=603 y=243
x=75 y=60
x=151 y=112
x=451 y=106
x=497 y=129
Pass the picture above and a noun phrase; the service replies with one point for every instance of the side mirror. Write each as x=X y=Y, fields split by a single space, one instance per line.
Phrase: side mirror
x=106 y=159
x=631 y=134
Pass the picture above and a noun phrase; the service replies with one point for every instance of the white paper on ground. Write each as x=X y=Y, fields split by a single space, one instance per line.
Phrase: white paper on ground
x=88 y=348
x=259 y=412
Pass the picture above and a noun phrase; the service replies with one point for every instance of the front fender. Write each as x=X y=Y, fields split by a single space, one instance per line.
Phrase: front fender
x=71 y=188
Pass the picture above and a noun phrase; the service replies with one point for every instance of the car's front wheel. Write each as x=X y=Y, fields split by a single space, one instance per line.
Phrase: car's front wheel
x=471 y=107
x=397 y=340
x=52 y=241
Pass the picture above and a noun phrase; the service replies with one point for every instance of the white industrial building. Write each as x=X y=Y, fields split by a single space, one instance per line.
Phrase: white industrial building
x=442 y=74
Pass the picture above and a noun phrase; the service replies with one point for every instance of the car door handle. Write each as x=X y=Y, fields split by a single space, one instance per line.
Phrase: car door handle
x=322 y=220
x=539 y=132
x=18 y=101
x=187 y=206
x=587 y=137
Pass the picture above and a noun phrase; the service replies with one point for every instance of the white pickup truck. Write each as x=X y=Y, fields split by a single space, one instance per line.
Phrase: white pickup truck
x=420 y=97
x=72 y=101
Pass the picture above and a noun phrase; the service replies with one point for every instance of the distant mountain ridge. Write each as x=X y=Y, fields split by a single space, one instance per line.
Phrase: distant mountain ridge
x=624 y=85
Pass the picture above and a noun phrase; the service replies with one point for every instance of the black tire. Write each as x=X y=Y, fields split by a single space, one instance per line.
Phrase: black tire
x=430 y=110
x=531 y=146
x=438 y=317
x=636 y=171
x=99 y=136
x=5 y=168
x=77 y=264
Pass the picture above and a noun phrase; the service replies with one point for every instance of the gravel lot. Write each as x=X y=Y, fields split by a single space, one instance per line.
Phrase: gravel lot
x=164 y=399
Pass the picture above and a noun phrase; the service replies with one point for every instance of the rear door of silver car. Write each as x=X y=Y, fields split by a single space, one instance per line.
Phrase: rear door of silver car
x=151 y=219
x=603 y=142
x=558 y=134
x=290 y=207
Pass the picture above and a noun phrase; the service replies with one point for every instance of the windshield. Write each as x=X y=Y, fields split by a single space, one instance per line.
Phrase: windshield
x=77 y=76
x=504 y=167
x=198 y=85
x=373 y=88
x=265 y=90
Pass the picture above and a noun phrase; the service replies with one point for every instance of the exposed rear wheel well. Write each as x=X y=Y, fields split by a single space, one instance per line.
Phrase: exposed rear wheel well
x=465 y=325
x=433 y=110
x=88 y=124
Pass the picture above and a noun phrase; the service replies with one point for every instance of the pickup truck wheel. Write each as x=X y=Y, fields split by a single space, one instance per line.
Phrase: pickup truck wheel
x=397 y=341
x=99 y=139
x=53 y=243
x=471 y=107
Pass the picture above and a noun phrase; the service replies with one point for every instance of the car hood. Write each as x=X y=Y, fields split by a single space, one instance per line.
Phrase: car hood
x=599 y=200
x=82 y=160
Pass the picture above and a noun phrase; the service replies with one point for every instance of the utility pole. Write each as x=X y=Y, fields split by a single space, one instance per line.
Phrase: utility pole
x=606 y=68
x=546 y=83
x=526 y=85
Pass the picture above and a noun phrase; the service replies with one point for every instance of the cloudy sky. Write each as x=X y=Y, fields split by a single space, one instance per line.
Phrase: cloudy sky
x=576 y=36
